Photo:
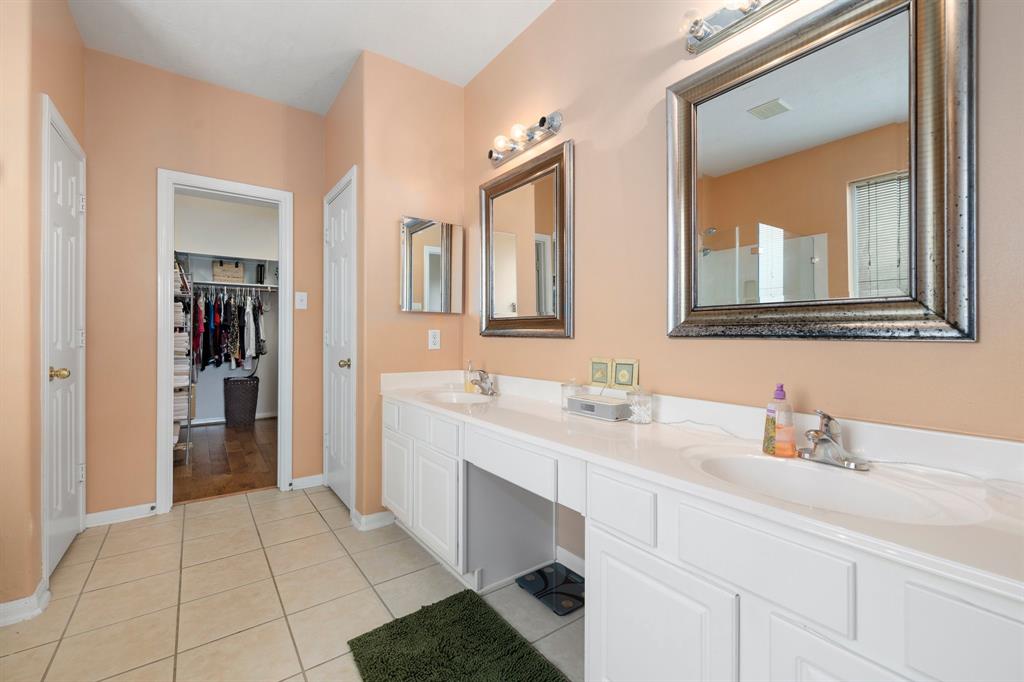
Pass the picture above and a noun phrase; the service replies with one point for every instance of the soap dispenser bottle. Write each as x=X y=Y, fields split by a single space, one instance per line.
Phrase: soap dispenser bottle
x=467 y=379
x=779 y=434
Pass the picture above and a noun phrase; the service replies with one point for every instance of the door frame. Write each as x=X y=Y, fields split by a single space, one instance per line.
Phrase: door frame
x=52 y=118
x=427 y=252
x=350 y=179
x=167 y=181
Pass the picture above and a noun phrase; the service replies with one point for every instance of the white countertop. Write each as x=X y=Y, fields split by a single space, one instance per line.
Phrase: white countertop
x=987 y=548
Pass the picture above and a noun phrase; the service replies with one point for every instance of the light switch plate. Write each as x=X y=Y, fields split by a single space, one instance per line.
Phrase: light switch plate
x=433 y=339
x=301 y=300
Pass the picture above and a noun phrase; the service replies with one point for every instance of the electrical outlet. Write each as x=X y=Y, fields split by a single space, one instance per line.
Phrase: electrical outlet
x=433 y=339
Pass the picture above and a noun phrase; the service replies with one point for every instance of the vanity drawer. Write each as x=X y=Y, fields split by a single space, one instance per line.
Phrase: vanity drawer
x=414 y=422
x=941 y=628
x=618 y=503
x=813 y=584
x=524 y=466
x=390 y=415
x=444 y=435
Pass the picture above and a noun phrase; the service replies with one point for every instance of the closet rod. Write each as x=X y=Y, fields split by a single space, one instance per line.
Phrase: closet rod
x=236 y=285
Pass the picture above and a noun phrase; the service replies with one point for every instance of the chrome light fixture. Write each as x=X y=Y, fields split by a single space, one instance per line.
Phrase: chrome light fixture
x=735 y=15
x=520 y=138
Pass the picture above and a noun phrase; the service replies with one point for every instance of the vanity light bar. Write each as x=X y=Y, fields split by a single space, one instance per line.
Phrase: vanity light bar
x=521 y=138
x=733 y=17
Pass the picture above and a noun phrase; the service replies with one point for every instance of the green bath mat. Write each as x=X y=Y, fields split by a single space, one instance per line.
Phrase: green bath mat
x=459 y=638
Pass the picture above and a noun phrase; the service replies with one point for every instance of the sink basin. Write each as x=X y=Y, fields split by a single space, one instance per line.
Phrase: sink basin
x=885 y=493
x=458 y=397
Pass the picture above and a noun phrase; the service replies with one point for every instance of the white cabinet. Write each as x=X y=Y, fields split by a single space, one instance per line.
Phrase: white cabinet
x=436 y=501
x=396 y=472
x=649 y=620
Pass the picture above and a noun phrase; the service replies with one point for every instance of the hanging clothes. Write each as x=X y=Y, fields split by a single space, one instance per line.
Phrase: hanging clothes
x=250 y=329
x=209 y=350
x=240 y=314
x=233 y=341
x=261 y=331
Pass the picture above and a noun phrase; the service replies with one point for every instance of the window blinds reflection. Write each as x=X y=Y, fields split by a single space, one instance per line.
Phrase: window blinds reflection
x=880 y=236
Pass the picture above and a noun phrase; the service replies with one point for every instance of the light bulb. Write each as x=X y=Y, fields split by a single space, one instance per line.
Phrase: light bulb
x=518 y=132
x=501 y=143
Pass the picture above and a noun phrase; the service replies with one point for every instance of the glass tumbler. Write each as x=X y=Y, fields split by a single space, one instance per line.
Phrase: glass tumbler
x=640 y=406
x=569 y=390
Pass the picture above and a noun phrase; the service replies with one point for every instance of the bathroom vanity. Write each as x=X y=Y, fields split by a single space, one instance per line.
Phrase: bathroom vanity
x=706 y=560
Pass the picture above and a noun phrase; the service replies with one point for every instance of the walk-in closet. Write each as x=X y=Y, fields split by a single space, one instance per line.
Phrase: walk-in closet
x=225 y=344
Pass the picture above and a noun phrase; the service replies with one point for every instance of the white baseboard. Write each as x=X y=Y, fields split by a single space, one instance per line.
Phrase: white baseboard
x=117 y=515
x=307 y=482
x=570 y=560
x=372 y=521
x=26 y=607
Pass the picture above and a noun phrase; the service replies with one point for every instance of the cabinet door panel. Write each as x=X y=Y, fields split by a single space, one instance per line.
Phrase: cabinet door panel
x=396 y=490
x=649 y=620
x=797 y=654
x=436 y=495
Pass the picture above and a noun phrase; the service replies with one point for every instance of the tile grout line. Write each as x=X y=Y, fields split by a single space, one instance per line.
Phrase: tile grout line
x=138 y=667
x=78 y=598
x=360 y=568
x=177 y=615
x=277 y=591
x=178 y=602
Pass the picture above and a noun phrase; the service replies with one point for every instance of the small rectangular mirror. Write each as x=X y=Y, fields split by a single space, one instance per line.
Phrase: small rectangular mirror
x=431 y=266
x=527 y=242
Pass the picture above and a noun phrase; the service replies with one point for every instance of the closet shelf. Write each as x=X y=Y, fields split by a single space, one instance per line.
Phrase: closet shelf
x=237 y=285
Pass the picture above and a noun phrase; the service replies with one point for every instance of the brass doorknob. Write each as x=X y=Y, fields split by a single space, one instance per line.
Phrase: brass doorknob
x=61 y=373
x=347 y=362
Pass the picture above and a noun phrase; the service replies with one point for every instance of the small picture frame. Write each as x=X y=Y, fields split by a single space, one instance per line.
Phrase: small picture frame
x=625 y=374
x=600 y=371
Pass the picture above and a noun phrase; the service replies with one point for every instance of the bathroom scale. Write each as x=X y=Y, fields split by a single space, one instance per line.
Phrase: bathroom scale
x=558 y=588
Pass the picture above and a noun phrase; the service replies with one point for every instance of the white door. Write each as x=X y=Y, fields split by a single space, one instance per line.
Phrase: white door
x=436 y=501
x=396 y=471
x=339 y=338
x=649 y=620
x=63 y=294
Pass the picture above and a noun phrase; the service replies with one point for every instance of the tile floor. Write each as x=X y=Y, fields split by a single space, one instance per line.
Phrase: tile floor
x=259 y=586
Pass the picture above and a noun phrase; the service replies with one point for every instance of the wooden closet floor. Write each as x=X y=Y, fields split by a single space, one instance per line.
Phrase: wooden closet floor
x=227 y=461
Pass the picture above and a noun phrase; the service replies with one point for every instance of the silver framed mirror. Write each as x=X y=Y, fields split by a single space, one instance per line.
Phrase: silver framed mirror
x=526 y=216
x=821 y=181
x=432 y=275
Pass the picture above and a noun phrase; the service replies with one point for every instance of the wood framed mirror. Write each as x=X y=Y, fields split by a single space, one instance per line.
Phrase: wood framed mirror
x=822 y=181
x=527 y=248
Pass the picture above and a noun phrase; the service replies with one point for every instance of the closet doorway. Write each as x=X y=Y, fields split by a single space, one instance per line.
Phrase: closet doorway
x=224 y=338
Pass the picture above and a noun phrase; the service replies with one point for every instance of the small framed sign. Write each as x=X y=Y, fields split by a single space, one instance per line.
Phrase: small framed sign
x=600 y=371
x=625 y=374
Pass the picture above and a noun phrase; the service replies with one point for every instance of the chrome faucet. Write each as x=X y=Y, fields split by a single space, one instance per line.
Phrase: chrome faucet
x=827 y=446
x=484 y=382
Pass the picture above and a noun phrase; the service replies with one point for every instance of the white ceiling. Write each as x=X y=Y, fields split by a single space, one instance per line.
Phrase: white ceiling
x=859 y=83
x=299 y=52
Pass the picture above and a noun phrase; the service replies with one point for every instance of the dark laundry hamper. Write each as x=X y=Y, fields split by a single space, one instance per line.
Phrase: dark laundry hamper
x=240 y=401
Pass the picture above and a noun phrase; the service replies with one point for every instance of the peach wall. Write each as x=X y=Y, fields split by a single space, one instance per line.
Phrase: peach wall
x=612 y=93
x=404 y=127
x=138 y=119
x=803 y=193
x=40 y=52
